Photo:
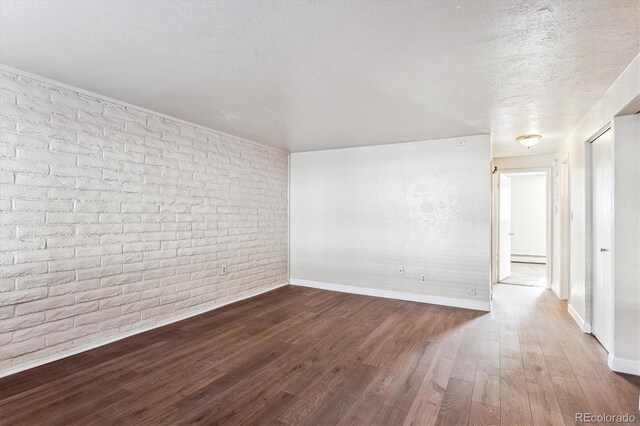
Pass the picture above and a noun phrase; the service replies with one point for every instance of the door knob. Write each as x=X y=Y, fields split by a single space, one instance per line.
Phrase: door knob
x=602 y=250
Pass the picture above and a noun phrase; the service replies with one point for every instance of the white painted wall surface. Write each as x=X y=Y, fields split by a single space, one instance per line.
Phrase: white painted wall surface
x=624 y=92
x=115 y=219
x=357 y=215
x=528 y=215
x=626 y=250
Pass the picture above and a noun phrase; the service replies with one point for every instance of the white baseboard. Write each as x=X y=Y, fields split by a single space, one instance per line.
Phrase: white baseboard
x=584 y=326
x=84 y=348
x=556 y=290
x=623 y=365
x=390 y=294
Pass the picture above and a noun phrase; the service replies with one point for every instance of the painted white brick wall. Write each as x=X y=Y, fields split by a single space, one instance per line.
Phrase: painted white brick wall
x=114 y=219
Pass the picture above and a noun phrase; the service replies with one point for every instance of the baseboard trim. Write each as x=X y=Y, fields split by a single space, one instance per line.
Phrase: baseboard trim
x=84 y=348
x=624 y=365
x=556 y=291
x=390 y=294
x=584 y=326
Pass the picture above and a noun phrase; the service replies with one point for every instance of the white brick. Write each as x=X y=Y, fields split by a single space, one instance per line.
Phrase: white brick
x=71 y=311
x=16 y=139
x=48 y=157
x=66 y=218
x=45 y=304
x=97 y=207
x=44 y=106
x=7 y=312
x=99 y=119
x=125 y=114
x=75 y=101
x=45 y=280
x=21 y=322
x=120 y=321
x=42 y=181
x=44 y=255
x=73 y=333
x=21 y=166
x=98 y=294
x=75 y=172
x=43 y=206
x=74 y=264
x=162 y=125
x=21 y=348
x=42 y=330
x=75 y=287
x=75 y=125
x=7 y=97
x=41 y=231
x=140 y=129
x=24 y=86
x=97 y=317
x=11 y=218
x=7 y=284
x=37 y=129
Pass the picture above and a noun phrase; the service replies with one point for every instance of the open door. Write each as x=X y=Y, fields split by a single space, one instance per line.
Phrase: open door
x=504 y=238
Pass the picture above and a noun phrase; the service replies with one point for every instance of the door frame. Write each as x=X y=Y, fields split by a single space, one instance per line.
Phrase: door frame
x=588 y=223
x=564 y=204
x=495 y=219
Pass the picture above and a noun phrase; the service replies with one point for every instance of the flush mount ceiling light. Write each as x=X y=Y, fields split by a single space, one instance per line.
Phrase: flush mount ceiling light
x=528 y=140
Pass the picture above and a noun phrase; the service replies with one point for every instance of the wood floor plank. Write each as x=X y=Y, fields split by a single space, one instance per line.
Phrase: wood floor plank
x=456 y=404
x=426 y=404
x=545 y=409
x=309 y=356
x=571 y=399
x=484 y=415
x=514 y=398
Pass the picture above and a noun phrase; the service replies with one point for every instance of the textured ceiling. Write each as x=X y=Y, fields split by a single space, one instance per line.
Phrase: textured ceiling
x=307 y=75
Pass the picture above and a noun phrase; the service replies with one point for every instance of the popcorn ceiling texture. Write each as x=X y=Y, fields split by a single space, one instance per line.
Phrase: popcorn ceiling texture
x=115 y=220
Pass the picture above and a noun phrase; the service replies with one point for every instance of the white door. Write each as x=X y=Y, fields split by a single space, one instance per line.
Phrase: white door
x=504 y=239
x=602 y=199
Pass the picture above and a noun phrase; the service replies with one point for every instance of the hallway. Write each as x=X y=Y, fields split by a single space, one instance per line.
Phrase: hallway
x=547 y=360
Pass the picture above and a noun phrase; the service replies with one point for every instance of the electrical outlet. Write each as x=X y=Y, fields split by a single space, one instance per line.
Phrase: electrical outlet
x=401 y=270
x=472 y=291
x=224 y=270
x=423 y=279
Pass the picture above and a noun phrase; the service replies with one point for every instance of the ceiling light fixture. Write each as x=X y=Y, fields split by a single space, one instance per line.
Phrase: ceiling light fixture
x=528 y=140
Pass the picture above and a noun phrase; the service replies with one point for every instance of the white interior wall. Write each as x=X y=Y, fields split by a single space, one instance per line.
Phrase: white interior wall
x=528 y=217
x=626 y=249
x=357 y=215
x=620 y=95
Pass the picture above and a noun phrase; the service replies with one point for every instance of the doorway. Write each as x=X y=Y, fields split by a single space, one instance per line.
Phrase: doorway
x=523 y=226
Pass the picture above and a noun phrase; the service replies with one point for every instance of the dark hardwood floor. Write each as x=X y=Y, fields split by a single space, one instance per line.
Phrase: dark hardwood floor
x=314 y=357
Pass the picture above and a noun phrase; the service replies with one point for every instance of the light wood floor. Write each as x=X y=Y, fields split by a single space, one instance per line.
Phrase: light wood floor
x=531 y=274
x=313 y=357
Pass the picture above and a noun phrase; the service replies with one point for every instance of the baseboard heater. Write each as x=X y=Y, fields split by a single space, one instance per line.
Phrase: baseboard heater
x=528 y=258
